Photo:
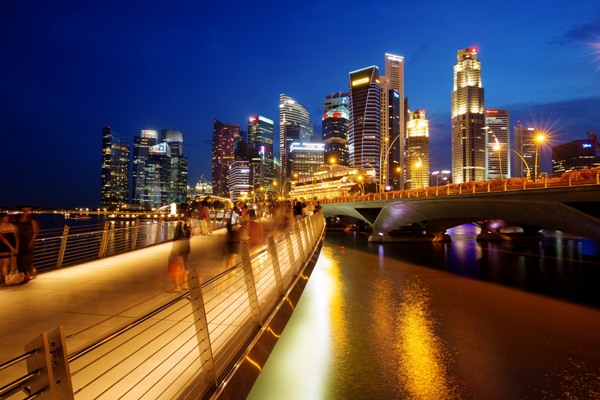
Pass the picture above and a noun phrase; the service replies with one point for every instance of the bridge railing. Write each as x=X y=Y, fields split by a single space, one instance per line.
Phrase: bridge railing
x=59 y=247
x=190 y=347
x=577 y=178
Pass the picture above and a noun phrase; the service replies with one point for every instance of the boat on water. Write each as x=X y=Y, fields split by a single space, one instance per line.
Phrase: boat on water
x=79 y=217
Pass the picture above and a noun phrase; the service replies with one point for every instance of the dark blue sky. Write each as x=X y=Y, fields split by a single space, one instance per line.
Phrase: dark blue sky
x=68 y=68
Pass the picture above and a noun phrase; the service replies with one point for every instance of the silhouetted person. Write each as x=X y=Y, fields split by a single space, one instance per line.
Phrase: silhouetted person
x=28 y=231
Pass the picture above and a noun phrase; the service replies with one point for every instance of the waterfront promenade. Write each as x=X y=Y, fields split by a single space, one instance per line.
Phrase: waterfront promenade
x=93 y=298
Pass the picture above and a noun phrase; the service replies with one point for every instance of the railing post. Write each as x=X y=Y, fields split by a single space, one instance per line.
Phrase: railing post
x=505 y=185
x=474 y=187
x=63 y=246
x=201 y=324
x=299 y=242
x=460 y=189
x=104 y=242
x=158 y=230
x=570 y=184
x=489 y=186
x=597 y=178
x=290 y=248
x=276 y=267
x=250 y=284
x=524 y=184
x=50 y=361
x=136 y=229
x=545 y=182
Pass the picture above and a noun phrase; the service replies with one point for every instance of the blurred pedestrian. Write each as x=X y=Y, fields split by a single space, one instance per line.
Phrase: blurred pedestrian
x=205 y=223
x=28 y=231
x=178 y=259
x=9 y=245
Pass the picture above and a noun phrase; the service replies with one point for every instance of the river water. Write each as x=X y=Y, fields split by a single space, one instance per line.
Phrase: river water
x=459 y=320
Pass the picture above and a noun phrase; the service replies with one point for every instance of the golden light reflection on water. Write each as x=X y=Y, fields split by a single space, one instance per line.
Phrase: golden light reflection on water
x=422 y=355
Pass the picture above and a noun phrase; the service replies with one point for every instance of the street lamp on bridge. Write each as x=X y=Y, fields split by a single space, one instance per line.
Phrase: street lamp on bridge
x=383 y=171
x=539 y=138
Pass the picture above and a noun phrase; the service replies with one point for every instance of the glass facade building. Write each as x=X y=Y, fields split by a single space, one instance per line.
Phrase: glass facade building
x=225 y=138
x=335 y=126
x=497 y=146
x=114 y=185
x=260 y=136
x=364 y=134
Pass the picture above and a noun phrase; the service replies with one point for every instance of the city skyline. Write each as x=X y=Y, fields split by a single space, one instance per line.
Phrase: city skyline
x=71 y=69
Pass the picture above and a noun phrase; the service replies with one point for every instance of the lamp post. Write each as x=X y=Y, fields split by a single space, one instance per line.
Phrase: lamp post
x=496 y=148
x=539 y=138
x=385 y=162
x=525 y=162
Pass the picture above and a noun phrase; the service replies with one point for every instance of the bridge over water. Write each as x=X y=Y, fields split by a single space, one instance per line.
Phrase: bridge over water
x=571 y=206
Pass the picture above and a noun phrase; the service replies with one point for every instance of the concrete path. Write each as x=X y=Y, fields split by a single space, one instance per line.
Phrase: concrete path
x=96 y=297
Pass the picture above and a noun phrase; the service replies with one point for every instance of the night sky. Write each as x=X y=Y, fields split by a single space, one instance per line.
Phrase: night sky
x=68 y=68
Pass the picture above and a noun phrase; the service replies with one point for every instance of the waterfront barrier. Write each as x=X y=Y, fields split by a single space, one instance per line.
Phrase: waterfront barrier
x=210 y=342
x=70 y=245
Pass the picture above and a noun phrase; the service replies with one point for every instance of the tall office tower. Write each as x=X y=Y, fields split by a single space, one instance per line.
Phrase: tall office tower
x=524 y=146
x=468 y=119
x=290 y=133
x=335 y=125
x=225 y=137
x=306 y=158
x=393 y=122
x=364 y=135
x=175 y=140
x=239 y=179
x=497 y=144
x=114 y=188
x=335 y=100
x=141 y=155
x=157 y=189
x=576 y=155
x=294 y=114
x=179 y=165
x=417 y=151
x=260 y=135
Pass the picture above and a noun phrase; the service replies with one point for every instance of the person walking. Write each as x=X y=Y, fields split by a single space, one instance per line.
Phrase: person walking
x=9 y=245
x=28 y=231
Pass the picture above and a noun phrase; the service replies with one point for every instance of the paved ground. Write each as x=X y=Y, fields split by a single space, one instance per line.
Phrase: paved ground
x=92 y=298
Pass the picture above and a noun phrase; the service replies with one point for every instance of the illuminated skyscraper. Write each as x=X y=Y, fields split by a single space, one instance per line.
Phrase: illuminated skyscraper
x=524 y=138
x=179 y=165
x=336 y=99
x=294 y=126
x=497 y=148
x=141 y=155
x=260 y=136
x=114 y=188
x=468 y=119
x=335 y=126
x=417 y=151
x=365 y=136
x=225 y=137
x=392 y=125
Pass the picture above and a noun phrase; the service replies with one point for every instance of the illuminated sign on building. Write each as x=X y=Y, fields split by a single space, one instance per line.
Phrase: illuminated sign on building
x=360 y=81
x=587 y=145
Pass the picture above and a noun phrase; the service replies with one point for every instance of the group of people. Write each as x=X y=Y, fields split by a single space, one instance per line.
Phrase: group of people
x=17 y=243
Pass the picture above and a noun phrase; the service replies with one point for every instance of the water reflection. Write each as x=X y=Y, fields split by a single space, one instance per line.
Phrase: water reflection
x=420 y=351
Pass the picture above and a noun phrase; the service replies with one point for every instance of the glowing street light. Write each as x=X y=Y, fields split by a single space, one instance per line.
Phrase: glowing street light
x=496 y=147
x=383 y=170
x=524 y=162
x=539 y=138
x=332 y=160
